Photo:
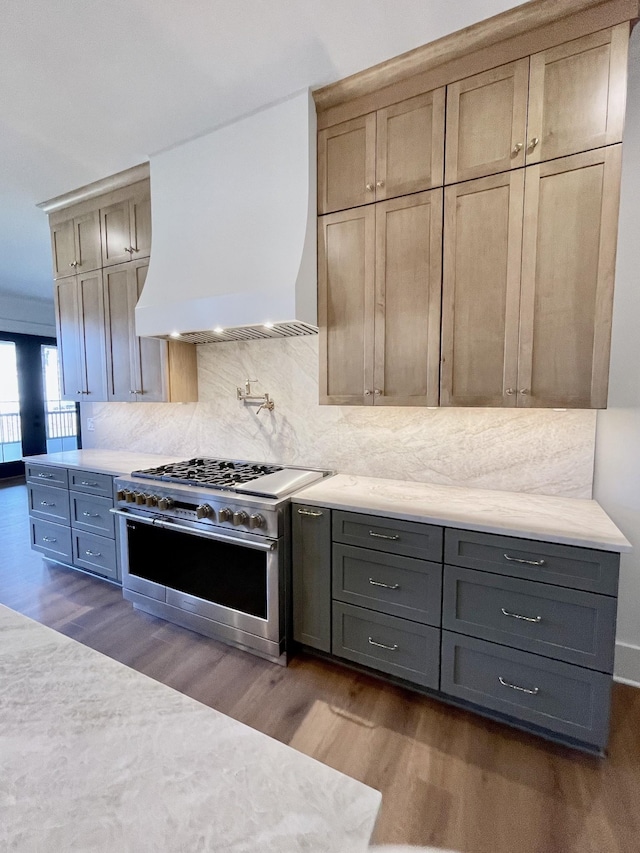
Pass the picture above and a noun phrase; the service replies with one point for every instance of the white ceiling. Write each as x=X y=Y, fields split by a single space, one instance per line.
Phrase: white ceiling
x=90 y=87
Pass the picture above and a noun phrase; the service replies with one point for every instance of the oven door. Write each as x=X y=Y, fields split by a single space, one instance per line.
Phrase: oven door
x=230 y=580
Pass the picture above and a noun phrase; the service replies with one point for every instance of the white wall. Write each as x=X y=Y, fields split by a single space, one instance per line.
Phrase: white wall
x=617 y=466
x=27 y=316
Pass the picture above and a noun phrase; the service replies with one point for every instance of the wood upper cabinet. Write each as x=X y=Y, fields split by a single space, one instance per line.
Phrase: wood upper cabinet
x=561 y=101
x=395 y=151
x=126 y=227
x=527 y=308
x=379 y=302
x=481 y=291
x=75 y=244
x=80 y=333
x=142 y=369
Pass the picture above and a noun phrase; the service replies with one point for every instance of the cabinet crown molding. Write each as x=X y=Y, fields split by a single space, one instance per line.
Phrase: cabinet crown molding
x=511 y=24
x=97 y=188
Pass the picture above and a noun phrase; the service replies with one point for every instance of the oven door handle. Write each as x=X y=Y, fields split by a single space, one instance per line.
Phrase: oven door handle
x=263 y=545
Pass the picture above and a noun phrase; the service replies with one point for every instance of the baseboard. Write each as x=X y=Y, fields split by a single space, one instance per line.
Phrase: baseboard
x=627 y=664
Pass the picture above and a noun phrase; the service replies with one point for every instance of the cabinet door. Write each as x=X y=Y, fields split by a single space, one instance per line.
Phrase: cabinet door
x=346 y=164
x=63 y=249
x=481 y=286
x=87 y=242
x=68 y=335
x=140 y=223
x=311 y=560
x=120 y=377
x=116 y=233
x=577 y=95
x=487 y=122
x=407 y=304
x=149 y=355
x=568 y=261
x=346 y=279
x=92 y=338
x=410 y=145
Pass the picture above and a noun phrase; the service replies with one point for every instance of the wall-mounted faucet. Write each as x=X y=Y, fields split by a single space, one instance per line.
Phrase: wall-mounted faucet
x=251 y=399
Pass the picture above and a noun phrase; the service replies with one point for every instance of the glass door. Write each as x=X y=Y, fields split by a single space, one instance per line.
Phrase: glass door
x=61 y=416
x=10 y=422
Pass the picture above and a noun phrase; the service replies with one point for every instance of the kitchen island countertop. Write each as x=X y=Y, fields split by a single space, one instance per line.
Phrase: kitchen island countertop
x=569 y=521
x=99 y=757
x=113 y=462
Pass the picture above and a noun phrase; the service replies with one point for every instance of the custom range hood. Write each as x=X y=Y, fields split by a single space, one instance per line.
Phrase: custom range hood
x=234 y=231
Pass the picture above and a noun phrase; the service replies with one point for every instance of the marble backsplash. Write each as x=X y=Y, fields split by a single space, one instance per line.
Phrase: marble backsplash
x=537 y=450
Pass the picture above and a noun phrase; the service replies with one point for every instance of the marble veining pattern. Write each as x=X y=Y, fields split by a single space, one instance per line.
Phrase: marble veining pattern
x=541 y=517
x=98 y=757
x=528 y=450
x=113 y=462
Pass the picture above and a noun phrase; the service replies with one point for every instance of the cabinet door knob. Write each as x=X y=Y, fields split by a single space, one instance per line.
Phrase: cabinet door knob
x=377 y=392
x=532 y=143
x=510 y=391
x=129 y=249
x=73 y=264
x=380 y=184
x=370 y=187
x=517 y=148
x=524 y=391
x=367 y=393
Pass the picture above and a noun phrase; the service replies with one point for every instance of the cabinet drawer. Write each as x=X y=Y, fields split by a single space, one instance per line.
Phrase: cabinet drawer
x=560 y=697
x=565 y=565
x=567 y=624
x=399 y=586
x=95 y=553
x=92 y=514
x=408 y=538
x=49 y=475
x=49 y=504
x=89 y=483
x=387 y=643
x=52 y=540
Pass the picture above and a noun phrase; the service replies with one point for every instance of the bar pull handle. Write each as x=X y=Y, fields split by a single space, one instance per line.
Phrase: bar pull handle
x=47 y=503
x=392 y=648
x=384 y=585
x=535 y=619
x=526 y=562
x=46 y=476
x=504 y=683
x=49 y=539
x=91 y=514
x=310 y=513
x=88 y=483
x=383 y=536
x=90 y=553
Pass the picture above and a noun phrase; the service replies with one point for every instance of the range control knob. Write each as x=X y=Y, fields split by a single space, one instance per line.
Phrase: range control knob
x=141 y=498
x=120 y=494
x=240 y=517
x=151 y=500
x=129 y=496
x=225 y=514
x=256 y=521
x=204 y=511
x=165 y=503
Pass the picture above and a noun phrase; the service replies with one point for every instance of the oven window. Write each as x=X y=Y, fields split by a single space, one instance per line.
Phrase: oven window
x=229 y=575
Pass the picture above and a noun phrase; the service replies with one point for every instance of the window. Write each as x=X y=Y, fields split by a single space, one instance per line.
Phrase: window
x=10 y=424
x=61 y=417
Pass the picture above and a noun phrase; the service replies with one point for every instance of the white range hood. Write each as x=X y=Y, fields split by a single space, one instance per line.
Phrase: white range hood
x=234 y=231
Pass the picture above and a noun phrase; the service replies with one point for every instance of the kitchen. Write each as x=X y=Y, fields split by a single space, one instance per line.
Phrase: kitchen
x=539 y=451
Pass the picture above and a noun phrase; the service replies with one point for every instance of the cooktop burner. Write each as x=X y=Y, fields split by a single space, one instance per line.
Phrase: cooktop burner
x=223 y=473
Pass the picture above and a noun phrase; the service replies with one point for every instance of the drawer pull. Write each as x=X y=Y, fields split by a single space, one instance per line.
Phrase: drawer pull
x=526 y=562
x=392 y=648
x=384 y=585
x=504 y=683
x=310 y=513
x=49 y=539
x=383 y=536
x=47 y=503
x=46 y=476
x=88 y=483
x=91 y=514
x=93 y=553
x=535 y=619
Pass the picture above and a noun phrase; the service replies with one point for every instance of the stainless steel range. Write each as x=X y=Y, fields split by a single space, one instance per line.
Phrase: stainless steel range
x=205 y=543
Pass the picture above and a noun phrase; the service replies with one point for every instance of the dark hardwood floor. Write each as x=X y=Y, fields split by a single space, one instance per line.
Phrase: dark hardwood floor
x=448 y=778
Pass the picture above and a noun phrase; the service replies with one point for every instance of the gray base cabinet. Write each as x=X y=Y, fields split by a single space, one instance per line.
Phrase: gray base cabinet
x=70 y=518
x=521 y=630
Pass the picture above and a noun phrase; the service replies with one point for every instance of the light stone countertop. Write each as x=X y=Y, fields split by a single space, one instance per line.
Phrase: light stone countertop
x=113 y=462
x=98 y=757
x=570 y=521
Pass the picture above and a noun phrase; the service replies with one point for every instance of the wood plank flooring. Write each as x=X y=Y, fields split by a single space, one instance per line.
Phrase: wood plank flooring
x=448 y=778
